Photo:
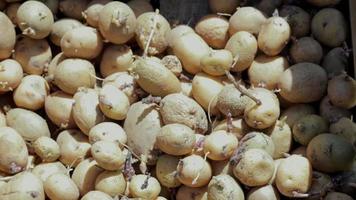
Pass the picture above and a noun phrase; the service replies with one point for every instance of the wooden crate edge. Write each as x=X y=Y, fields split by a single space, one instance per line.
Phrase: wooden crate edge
x=352 y=4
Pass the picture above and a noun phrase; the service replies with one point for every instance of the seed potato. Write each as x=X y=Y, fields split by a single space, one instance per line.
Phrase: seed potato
x=11 y=74
x=224 y=187
x=139 y=189
x=47 y=149
x=306 y=49
x=112 y=183
x=335 y=62
x=124 y=82
x=113 y=102
x=267 y=192
x=108 y=131
x=92 y=12
x=60 y=27
x=166 y=171
x=194 y=171
x=248 y=19
x=61 y=187
x=116 y=58
x=298 y=19
x=331 y=112
x=342 y=91
x=96 y=195
x=8 y=39
x=220 y=145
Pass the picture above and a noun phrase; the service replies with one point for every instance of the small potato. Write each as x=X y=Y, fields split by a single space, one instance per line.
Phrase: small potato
x=185 y=192
x=194 y=171
x=346 y=128
x=306 y=49
x=332 y=113
x=294 y=174
x=116 y=58
x=8 y=36
x=335 y=62
x=117 y=22
x=140 y=6
x=274 y=36
x=108 y=155
x=144 y=27
x=281 y=135
x=145 y=187
x=264 y=115
x=14 y=156
x=176 y=139
x=257 y=140
x=96 y=195
x=214 y=30
x=45 y=170
x=112 y=183
x=108 y=131
x=247 y=19
x=298 y=19
x=220 y=145
x=125 y=82
x=243 y=46
x=113 y=102
x=255 y=168
x=178 y=108
x=165 y=171
x=342 y=91
x=330 y=153
x=74 y=147
x=60 y=27
x=337 y=196
x=91 y=14
x=223 y=6
x=86 y=111
x=303 y=83
x=267 y=192
x=266 y=70
x=217 y=62
x=11 y=12
x=32 y=54
x=205 y=91
x=28 y=124
x=307 y=127
x=155 y=78
x=61 y=187
x=73 y=9
x=35 y=19
x=10 y=75
x=47 y=149
x=59 y=107
x=239 y=127
x=82 y=42
x=84 y=176
x=295 y=112
x=329 y=27
x=323 y=3
x=31 y=92
x=172 y=63
x=224 y=187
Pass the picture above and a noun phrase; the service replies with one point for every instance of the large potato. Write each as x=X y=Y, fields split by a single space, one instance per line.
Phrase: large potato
x=44 y=170
x=144 y=187
x=116 y=58
x=346 y=128
x=113 y=102
x=60 y=27
x=8 y=36
x=247 y=19
x=342 y=91
x=108 y=155
x=11 y=74
x=298 y=19
x=224 y=187
x=220 y=145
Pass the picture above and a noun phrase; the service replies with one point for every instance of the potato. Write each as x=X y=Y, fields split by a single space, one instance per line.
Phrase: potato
x=189 y=47
x=220 y=145
x=140 y=6
x=255 y=168
x=51 y=68
x=176 y=139
x=243 y=46
x=225 y=6
x=155 y=78
x=224 y=187
x=217 y=62
x=31 y=92
x=73 y=9
x=15 y=154
x=281 y=135
x=330 y=153
x=342 y=91
x=82 y=42
x=85 y=174
x=205 y=91
x=306 y=128
x=144 y=186
x=257 y=140
x=178 y=108
x=24 y=185
x=53 y=5
x=177 y=32
x=2 y=119
x=113 y=102
x=266 y=70
x=320 y=185
x=248 y=19
x=32 y=54
x=59 y=107
x=267 y=192
x=60 y=27
x=8 y=39
x=47 y=149
x=264 y=115
x=329 y=27
x=11 y=12
x=45 y=170
x=274 y=36
x=303 y=83
x=346 y=128
x=112 y=183
x=86 y=111
x=91 y=14
x=117 y=22
x=194 y=171
x=61 y=187
x=239 y=127
x=298 y=19
x=10 y=75
x=74 y=147
x=295 y=112
x=141 y=118
x=172 y=63
x=116 y=58
x=166 y=171
x=125 y=82
x=306 y=49
x=332 y=113
x=214 y=30
x=335 y=62
x=294 y=174
x=190 y=193
x=96 y=195
x=19 y=119
x=108 y=131
x=108 y=155
x=323 y=3
x=337 y=196
x=268 y=6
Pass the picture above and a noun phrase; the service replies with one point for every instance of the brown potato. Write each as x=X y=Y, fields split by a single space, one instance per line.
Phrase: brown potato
x=306 y=49
x=73 y=9
x=91 y=13
x=140 y=6
x=268 y=6
x=248 y=19
x=8 y=38
x=116 y=58
x=11 y=12
x=332 y=113
x=298 y=19
x=337 y=196
x=346 y=128
x=60 y=27
x=112 y=183
x=108 y=131
x=186 y=192
x=335 y=62
x=320 y=185
x=342 y=91
x=10 y=75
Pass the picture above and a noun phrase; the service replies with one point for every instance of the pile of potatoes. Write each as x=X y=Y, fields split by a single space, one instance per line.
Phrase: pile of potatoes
x=106 y=100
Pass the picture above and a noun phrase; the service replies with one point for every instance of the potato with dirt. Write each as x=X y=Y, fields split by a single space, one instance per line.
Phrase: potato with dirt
x=342 y=91
x=47 y=149
x=224 y=187
x=298 y=19
x=8 y=38
x=11 y=74
x=144 y=186
x=306 y=49
x=60 y=27
x=248 y=19
x=116 y=58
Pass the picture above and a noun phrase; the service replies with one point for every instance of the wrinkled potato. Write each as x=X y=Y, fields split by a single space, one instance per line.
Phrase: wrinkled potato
x=165 y=171
x=91 y=13
x=257 y=140
x=346 y=128
x=96 y=195
x=332 y=113
x=220 y=145
x=281 y=135
x=73 y=9
x=60 y=27
x=61 y=187
x=267 y=192
x=342 y=91
x=248 y=19
x=335 y=62
x=224 y=187
x=108 y=131
x=113 y=102
x=108 y=155
x=185 y=192
x=309 y=126
x=116 y=58
x=298 y=19
x=172 y=63
x=217 y=62
x=140 y=6
x=112 y=183
x=138 y=188
x=8 y=38
x=125 y=82
x=239 y=127
x=306 y=49
x=11 y=74
x=295 y=112
x=47 y=149
x=45 y=170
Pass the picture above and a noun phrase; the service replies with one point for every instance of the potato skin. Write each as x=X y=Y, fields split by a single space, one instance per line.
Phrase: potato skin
x=189 y=167
x=230 y=100
x=267 y=192
x=230 y=188
x=306 y=49
x=335 y=62
x=165 y=168
x=295 y=112
x=125 y=82
x=140 y=6
x=247 y=19
x=61 y=187
x=11 y=74
x=108 y=131
x=44 y=170
x=217 y=62
x=111 y=182
x=150 y=192
x=332 y=113
x=91 y=13
x=113 y=102
x=108 y=155
x=96 y=195
x=298 y=19
x=281 y=135
x=220 y=145
x=116 y=58
x=60 y=27
x=223 y=6
x=73 y=9
x=342 y=91
x=8 y=36
x=47 y=149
